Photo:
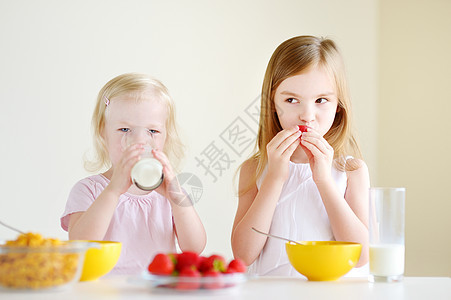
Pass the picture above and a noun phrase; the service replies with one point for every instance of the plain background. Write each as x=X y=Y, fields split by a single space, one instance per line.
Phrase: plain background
x=56 y=55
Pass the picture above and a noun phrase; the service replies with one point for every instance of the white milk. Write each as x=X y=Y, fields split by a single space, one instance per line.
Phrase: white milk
x=386 y=260
x=147 y=172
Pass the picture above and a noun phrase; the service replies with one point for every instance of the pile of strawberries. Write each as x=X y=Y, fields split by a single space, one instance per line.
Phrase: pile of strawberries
x=197 y=271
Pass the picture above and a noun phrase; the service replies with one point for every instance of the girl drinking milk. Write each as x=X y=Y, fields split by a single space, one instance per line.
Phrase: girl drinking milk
x=108 y=206
x=308 y=185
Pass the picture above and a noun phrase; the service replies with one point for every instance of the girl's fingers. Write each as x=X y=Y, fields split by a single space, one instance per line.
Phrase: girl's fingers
x=317 y=140
x=284 y=139
x=281 y=136
x=163 y=159
x=306 y=150
x=312 y=148
x=132 y=155
x=317 y=143
x=291 y=148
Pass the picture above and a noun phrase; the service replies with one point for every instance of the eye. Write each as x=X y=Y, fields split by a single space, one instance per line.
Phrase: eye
x=321 y=100
x=153 y=131
x=292 y=100
x=124 y=129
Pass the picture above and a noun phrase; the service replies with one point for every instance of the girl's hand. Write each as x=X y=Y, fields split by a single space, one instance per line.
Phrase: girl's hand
x=280 y=149
x=320 y=155
x=170 y=187
x=120 y=179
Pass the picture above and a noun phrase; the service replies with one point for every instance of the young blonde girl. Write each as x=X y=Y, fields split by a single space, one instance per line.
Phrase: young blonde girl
x=108 y=206
x=302 y=185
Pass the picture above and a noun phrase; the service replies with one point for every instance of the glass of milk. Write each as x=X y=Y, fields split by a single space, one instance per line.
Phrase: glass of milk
x=386 y=233
x=147 y=173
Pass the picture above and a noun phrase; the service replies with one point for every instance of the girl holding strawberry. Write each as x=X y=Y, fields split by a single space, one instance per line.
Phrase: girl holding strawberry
x=306 y=181
x=108 y=206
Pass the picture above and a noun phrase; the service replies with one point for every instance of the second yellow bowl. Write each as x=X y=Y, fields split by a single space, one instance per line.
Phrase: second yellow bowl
x=323 y=260
x=100 y=261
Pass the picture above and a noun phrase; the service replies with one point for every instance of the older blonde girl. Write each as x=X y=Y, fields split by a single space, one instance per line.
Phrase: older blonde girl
x=310 y=185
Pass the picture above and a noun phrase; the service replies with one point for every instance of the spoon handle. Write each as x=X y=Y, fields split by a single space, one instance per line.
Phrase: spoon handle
x=12 y=228
x=275 y=236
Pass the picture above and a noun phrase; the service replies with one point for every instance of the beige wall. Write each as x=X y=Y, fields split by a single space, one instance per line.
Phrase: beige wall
x=55 y=55
x=414 y=139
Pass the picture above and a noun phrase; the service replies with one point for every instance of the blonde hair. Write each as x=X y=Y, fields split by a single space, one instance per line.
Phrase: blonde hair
x=293 y=57
x=132 y=83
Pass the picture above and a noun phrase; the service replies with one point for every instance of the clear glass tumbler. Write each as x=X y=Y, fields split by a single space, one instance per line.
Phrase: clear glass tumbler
x=147 y=173
x=386 y=233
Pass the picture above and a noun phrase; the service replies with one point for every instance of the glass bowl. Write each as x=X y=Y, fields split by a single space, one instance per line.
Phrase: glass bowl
x=223 y=281
x=41 y=267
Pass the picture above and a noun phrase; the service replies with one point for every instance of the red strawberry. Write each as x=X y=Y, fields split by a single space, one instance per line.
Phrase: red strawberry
x=187 y=260
x=236 y=265
x=189 y=279
x=202 y=262
x=213 y=281
x=213 y=262
x=161 y=264
x=303 y=128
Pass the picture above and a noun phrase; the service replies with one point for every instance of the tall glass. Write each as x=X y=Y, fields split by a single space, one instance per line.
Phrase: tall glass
x=386 y=230
x=147 y=173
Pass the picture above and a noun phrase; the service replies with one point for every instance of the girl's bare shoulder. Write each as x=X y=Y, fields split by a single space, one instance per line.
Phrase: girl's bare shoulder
x=356 y=168
x=248 y=173
x=249 y=166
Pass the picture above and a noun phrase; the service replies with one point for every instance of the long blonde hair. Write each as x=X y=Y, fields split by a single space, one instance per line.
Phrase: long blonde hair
x=292 y=57
x=132 y=83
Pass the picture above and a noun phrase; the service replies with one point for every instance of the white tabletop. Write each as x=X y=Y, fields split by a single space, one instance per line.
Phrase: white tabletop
x=121 y=287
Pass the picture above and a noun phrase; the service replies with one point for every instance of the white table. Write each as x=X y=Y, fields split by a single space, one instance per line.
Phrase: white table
x=122 y=287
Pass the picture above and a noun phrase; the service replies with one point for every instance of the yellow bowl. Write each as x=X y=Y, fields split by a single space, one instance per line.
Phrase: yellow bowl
x=324 y=260
x=99 y=261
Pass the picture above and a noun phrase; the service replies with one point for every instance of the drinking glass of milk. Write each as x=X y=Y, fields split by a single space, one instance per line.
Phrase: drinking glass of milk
x=386 y=233
x=147 y=173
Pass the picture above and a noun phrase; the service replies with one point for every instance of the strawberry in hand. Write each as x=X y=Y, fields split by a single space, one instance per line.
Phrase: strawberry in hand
x=303 y=128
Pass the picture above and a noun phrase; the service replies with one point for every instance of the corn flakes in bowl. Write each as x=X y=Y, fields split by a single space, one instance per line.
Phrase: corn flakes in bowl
x=32 y=262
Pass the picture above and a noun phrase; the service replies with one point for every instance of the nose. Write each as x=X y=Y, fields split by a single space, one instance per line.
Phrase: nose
x=140 y=135
x=306 y=113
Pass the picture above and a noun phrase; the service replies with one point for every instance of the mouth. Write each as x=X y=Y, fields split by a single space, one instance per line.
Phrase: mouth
x=303 y=128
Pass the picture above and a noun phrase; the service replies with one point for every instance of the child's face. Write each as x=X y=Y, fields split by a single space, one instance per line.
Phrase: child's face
x=309 y=98
x=124 y=114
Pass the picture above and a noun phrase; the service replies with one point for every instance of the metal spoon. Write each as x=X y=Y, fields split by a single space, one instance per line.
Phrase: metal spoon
x=277 y=237
x=12 y=228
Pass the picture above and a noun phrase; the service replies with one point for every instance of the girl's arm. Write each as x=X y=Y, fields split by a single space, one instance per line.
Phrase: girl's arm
x=348 y=215
x=191 y=234
x=190 y=231
x=256 y=207
x=93 y=223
